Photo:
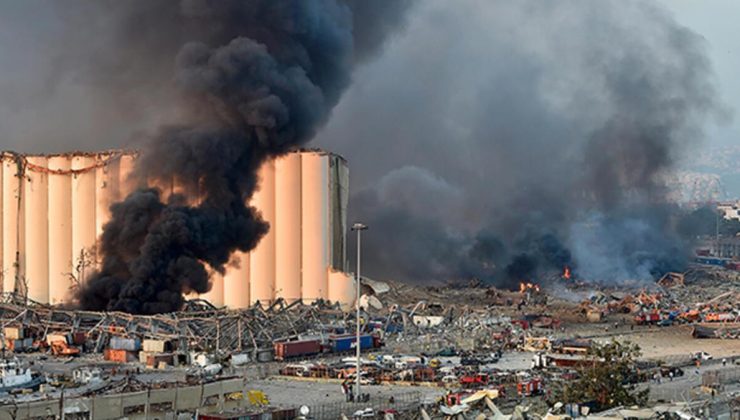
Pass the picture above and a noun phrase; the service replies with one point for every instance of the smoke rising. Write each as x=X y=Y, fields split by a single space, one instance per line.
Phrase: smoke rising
x=532 y=135
x=253 y=80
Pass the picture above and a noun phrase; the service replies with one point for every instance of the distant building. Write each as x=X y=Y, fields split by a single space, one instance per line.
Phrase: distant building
x=724 y=248
x=729 y=210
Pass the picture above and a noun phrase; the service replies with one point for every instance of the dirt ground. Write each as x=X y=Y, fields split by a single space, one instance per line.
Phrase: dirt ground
x=657 y=342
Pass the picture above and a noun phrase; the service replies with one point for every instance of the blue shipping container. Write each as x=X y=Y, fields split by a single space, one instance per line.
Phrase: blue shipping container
x=120 y=343
x=712 y=260
x=347 y=343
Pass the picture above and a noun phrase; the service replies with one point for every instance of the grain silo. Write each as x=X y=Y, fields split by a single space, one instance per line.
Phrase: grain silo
x=262 y=258
x=54 y=208
x=35 y=256
x=288 y=219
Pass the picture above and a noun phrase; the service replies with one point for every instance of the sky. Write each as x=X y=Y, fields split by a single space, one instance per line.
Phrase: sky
x=716 y=21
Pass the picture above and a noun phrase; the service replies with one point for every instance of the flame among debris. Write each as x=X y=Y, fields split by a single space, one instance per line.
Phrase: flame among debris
x=526 y=287
x=566 y=273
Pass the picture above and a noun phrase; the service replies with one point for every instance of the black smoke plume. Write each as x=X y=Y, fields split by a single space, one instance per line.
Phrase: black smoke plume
x=253 y=80
x=525 y=136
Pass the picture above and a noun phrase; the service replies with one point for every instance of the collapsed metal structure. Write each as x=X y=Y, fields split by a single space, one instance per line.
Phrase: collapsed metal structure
x=199 y=327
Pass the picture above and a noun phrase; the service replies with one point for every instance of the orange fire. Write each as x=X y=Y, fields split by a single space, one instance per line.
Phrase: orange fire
x=524 y=287
x=566 y=272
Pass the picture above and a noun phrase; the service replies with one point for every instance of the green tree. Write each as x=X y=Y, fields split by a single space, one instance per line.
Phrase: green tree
x=700 y=222
x=703 y=222
x=606 y=379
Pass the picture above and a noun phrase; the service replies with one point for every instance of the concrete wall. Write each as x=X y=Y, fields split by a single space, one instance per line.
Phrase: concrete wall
x=213 y=397
x=53 y=213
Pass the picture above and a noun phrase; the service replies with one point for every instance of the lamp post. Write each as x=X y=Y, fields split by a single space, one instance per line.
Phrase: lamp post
x=358 y=227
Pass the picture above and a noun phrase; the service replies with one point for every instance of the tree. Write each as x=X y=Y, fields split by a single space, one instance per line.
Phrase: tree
x=85 y=262
x=703 y=222
x=700 y=222
x=607 y=379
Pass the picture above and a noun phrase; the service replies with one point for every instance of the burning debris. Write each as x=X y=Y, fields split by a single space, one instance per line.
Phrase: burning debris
x=527 y=287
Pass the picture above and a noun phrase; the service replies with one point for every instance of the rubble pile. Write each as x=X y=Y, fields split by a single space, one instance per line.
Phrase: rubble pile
x=447 y=336
x=707 y=297
x=200 y=327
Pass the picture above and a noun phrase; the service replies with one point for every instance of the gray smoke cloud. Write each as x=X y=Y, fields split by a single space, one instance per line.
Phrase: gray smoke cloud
x=502 y=140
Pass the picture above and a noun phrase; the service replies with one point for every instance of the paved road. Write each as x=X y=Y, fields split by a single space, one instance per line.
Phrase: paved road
x=286 y=392
x=684 y=387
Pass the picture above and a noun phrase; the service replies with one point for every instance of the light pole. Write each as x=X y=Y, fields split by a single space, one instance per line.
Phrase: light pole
x=358 y=227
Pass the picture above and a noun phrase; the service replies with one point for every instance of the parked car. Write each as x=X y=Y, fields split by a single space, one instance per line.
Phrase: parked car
x=448 y=352
x=702 y=355
x=450 y=380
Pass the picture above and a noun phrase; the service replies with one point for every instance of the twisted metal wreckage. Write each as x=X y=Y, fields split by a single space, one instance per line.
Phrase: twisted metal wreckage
x=198 y=327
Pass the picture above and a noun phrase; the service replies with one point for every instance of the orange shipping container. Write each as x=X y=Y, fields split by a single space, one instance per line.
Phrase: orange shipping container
x=154 y=360
x=120 y=356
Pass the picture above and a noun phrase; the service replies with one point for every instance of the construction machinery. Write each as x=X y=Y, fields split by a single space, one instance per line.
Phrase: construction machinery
x=61 y=348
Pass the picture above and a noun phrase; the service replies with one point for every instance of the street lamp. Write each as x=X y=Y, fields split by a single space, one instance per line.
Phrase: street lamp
x=358 y=227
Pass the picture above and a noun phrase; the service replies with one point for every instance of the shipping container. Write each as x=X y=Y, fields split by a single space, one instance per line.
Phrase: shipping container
x=79 y=338
x=121 y=343
x=287 y=349
x=51 y=338
x=347 y=342
x=143 y=356
x=156 y=360
x=13 y=333
x=712 y=260
x=734 y=265
x=14 y=345
x=239 y=359
x=265 y=356
x=120 y=356
x=156 y=346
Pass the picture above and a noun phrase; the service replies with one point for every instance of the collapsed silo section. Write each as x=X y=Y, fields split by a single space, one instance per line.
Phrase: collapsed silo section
x=13 y=230
x=288 y=227
x=106 y=188
x=342 y=288
x=315 y=225
x=60 y=228
x=338 y=202
x=262 y=258
x=126 y=180
x=35 y=191
x=84 y=255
